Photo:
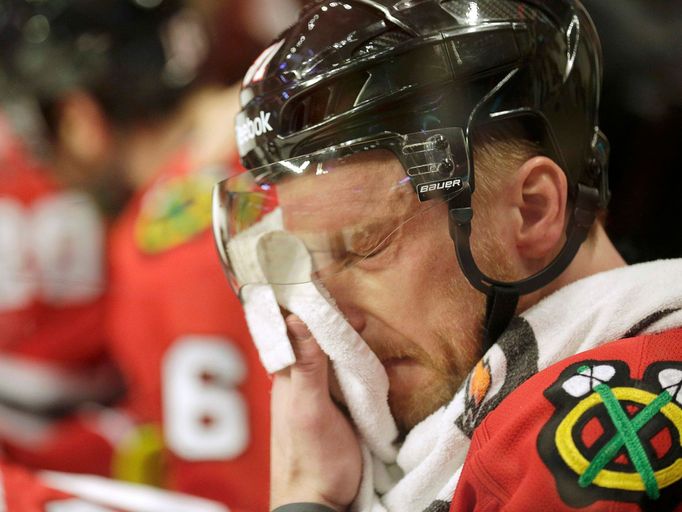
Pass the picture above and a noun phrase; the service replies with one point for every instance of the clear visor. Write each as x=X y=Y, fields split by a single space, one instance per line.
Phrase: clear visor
x=313 y=217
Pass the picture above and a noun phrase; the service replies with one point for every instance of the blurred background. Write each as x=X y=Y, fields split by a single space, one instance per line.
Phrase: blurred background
x=123 y=352
x=642 y=116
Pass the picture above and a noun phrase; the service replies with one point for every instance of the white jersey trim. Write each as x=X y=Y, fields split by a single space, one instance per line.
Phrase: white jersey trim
x=126 y=496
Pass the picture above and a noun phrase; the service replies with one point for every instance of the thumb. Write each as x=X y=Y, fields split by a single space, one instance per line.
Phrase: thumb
x=309 y=373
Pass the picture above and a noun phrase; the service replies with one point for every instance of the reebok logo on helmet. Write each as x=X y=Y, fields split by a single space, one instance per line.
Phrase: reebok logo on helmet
x=251 y=128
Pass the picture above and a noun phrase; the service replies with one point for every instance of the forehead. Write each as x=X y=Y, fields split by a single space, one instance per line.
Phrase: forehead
x=363 y=188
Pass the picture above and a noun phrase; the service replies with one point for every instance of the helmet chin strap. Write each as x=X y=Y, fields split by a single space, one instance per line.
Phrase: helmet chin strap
x=500 y=308
x=503 y=297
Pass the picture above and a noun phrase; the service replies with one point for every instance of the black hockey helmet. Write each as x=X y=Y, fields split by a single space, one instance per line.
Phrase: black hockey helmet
x=418 y=78
x=136 y=57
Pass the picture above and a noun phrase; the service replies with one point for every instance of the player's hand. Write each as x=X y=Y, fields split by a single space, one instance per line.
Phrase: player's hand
x=315 y=455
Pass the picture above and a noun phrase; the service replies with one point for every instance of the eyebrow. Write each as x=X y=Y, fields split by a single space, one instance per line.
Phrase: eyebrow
x=350 y=237
x=365 y=238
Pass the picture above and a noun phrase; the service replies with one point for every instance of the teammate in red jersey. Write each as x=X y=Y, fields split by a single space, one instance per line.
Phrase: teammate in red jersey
x=197 y=397
x=52 y=341
x=198 y=378
x=52 y=264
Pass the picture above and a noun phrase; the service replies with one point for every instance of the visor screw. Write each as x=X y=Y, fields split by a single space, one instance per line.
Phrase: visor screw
x=446 y=167
x=439 y=142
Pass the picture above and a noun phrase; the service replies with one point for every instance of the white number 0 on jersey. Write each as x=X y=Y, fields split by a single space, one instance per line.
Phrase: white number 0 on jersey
x=205 y=417
x=52 y=251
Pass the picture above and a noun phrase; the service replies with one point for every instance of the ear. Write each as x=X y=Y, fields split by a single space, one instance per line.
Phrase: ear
x=82 y=129
x=540 y=195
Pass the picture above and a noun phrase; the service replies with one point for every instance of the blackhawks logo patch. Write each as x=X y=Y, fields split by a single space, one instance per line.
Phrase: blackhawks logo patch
x=613 y=437
x=174 y=211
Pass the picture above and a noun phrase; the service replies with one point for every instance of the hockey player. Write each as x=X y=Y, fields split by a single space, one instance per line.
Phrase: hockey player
x=534 y=370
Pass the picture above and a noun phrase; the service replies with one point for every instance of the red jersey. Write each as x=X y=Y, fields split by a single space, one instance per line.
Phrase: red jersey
x=51 y=314
x=51 y=265
x=598 y=431
x=179 y=335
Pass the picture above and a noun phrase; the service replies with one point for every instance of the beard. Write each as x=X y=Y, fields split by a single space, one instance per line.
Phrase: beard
x=442 y=370
x=459 y=343
x=422 y=381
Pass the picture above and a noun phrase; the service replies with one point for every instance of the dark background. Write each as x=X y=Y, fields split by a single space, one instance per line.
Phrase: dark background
x=642 y=116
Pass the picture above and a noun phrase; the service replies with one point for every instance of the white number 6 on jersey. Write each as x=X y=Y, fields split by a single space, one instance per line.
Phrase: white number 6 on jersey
x=205 y=417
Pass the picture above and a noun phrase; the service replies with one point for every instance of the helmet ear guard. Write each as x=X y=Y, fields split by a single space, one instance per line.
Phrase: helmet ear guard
x=599 y=166
x=437 y=162
x=587 y=200
x=502 y=297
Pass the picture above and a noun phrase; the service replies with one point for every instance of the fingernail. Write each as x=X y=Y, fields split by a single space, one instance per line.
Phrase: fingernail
x=298 y=328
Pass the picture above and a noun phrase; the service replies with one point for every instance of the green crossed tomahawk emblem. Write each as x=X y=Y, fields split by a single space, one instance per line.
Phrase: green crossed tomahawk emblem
x=615 y=438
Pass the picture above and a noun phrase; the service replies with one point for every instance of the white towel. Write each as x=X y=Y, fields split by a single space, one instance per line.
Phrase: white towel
x=279 y=257
x=267 y=326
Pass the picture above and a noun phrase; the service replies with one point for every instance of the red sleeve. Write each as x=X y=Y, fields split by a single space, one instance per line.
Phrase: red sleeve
x=598 y=431
x=51 y=233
